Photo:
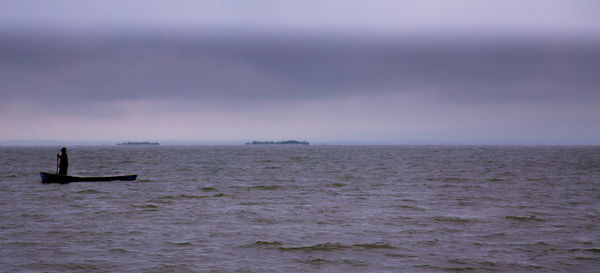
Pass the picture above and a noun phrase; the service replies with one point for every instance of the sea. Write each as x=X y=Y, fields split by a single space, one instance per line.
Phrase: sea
x=296 y=208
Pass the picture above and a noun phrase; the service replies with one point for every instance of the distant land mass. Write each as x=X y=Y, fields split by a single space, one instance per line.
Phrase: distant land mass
x=293 y=142
x=138 y=143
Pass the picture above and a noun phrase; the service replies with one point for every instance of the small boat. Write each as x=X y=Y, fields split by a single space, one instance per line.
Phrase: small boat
x=64 y=179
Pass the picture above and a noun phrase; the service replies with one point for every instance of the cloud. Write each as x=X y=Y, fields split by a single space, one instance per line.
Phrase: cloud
x=381 y=72
x=242 y=70
x=340 y=15
x=390 y=118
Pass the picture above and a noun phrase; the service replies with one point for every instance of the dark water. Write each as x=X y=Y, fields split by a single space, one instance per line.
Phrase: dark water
x=304 y=209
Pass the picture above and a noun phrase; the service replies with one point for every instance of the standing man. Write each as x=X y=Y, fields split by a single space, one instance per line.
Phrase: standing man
x=64 y=161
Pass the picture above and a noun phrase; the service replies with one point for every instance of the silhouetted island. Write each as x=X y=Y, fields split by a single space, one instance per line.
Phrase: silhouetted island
x=293 y=142
x=138 y=143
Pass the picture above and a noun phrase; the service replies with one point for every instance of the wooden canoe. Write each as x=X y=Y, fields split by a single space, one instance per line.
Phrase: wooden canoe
x=64 y=179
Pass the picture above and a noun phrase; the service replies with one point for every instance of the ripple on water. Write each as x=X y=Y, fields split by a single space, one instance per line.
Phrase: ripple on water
x=337 y=246
x=455 y=220
x=182 y=243
x=170 y=198
x=148 y=207
x=91 y=191
x=208 y=189
x=119 y=250
x=83 y=266
x=266 y=187
x=265 y=244
x=524 y=218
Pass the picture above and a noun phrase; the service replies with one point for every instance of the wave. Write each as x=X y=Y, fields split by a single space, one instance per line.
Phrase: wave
x=441 y=268
x=182 y=196
x=316 y=261
x=251 y=203
x=266 y=188
x=593 y=250
x=319 y=247
x=410 y=207
x=524 y=218
x=452 y=219
x=185 y=196
x=67 y=267
x=266 y=244
x=400 y=255
x=501 y=234
x=375 y=246
x=428 y=242
x=148 y=207
x=23 y=243
x=354 y=262
x=320 y=261
x=590 y=254
x=184 y=243
x=32 y=215
x=455 y=179
x=337 y=246
x=91 y=192
x=119 y=250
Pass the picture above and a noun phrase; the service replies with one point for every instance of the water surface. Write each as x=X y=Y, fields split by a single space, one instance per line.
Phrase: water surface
x=282 y=208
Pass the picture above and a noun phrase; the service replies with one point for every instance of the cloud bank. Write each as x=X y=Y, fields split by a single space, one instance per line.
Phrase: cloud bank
x=325 y=71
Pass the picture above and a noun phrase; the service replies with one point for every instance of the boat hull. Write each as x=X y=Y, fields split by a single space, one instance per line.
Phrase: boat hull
x=48 y=178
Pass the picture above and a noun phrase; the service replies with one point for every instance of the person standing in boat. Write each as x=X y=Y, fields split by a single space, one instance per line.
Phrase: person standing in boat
x=64 y=161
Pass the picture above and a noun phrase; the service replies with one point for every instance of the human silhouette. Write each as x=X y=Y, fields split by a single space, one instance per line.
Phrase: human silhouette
x=64 y=161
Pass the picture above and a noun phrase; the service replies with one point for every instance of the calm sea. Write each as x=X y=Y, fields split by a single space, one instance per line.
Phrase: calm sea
x=303 y=209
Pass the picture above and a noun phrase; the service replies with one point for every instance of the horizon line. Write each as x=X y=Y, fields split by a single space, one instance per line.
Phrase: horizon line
x=317 y=143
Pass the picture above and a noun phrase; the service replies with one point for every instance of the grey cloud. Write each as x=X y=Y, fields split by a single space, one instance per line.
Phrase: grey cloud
x=271 y=67
x=348 y=15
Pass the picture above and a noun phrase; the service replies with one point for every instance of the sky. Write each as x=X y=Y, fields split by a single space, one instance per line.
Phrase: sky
x=328 y=71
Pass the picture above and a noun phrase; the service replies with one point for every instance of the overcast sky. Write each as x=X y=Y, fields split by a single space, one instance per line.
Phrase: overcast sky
x=324 y=71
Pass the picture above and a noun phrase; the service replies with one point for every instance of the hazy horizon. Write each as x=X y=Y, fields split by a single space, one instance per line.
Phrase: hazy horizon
x=80 y=143
x=386 y=72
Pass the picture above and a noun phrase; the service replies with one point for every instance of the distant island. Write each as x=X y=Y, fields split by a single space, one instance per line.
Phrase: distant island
x=138 y=143
x=287 y=142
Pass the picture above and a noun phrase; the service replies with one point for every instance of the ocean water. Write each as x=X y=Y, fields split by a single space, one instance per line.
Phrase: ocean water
x=304 y=209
